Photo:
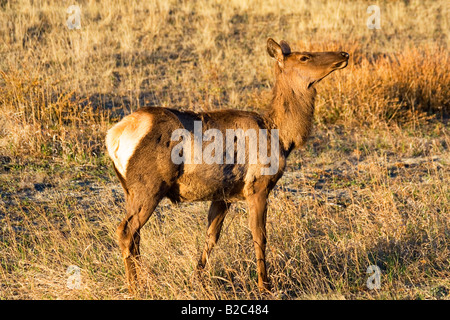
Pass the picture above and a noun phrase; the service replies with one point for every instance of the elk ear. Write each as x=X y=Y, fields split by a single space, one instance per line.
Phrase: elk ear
x=285 y=47
x=275 y=51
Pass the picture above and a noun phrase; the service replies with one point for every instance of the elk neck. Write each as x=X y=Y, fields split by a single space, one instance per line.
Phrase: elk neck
x=291 y=111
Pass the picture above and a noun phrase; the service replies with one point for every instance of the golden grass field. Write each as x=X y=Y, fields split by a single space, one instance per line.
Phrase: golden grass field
x=371 y=187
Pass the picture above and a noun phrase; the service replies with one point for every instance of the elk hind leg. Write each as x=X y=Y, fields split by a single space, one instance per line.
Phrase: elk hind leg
x=216 y=216
x=129 y=237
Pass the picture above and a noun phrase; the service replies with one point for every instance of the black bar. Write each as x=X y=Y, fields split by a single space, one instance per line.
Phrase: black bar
x=213 y=309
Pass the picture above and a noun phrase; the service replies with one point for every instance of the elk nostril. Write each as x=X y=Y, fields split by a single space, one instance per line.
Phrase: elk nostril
x=345 y=54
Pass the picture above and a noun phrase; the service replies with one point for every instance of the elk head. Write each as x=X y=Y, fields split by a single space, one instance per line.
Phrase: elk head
x=304 y=68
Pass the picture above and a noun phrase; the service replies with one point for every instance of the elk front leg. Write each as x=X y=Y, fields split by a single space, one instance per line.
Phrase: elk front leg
x=216 y=216
x=257 y=221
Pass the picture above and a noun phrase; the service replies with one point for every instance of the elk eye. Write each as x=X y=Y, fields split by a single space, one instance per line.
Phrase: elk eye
x=304 y=58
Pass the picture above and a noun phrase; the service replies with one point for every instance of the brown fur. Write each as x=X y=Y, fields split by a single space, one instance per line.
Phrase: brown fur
x=148 y=174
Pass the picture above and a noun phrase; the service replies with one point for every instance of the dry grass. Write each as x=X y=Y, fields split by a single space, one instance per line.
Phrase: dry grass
x=371 y=186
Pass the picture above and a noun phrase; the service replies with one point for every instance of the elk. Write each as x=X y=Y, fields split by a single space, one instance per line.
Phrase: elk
x=141 y=146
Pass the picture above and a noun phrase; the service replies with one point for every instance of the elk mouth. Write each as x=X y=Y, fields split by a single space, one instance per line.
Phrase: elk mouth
x=335 y=66
x=340 y=64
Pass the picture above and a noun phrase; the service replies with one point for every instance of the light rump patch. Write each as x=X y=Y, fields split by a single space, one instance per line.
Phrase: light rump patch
x=123 y=138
